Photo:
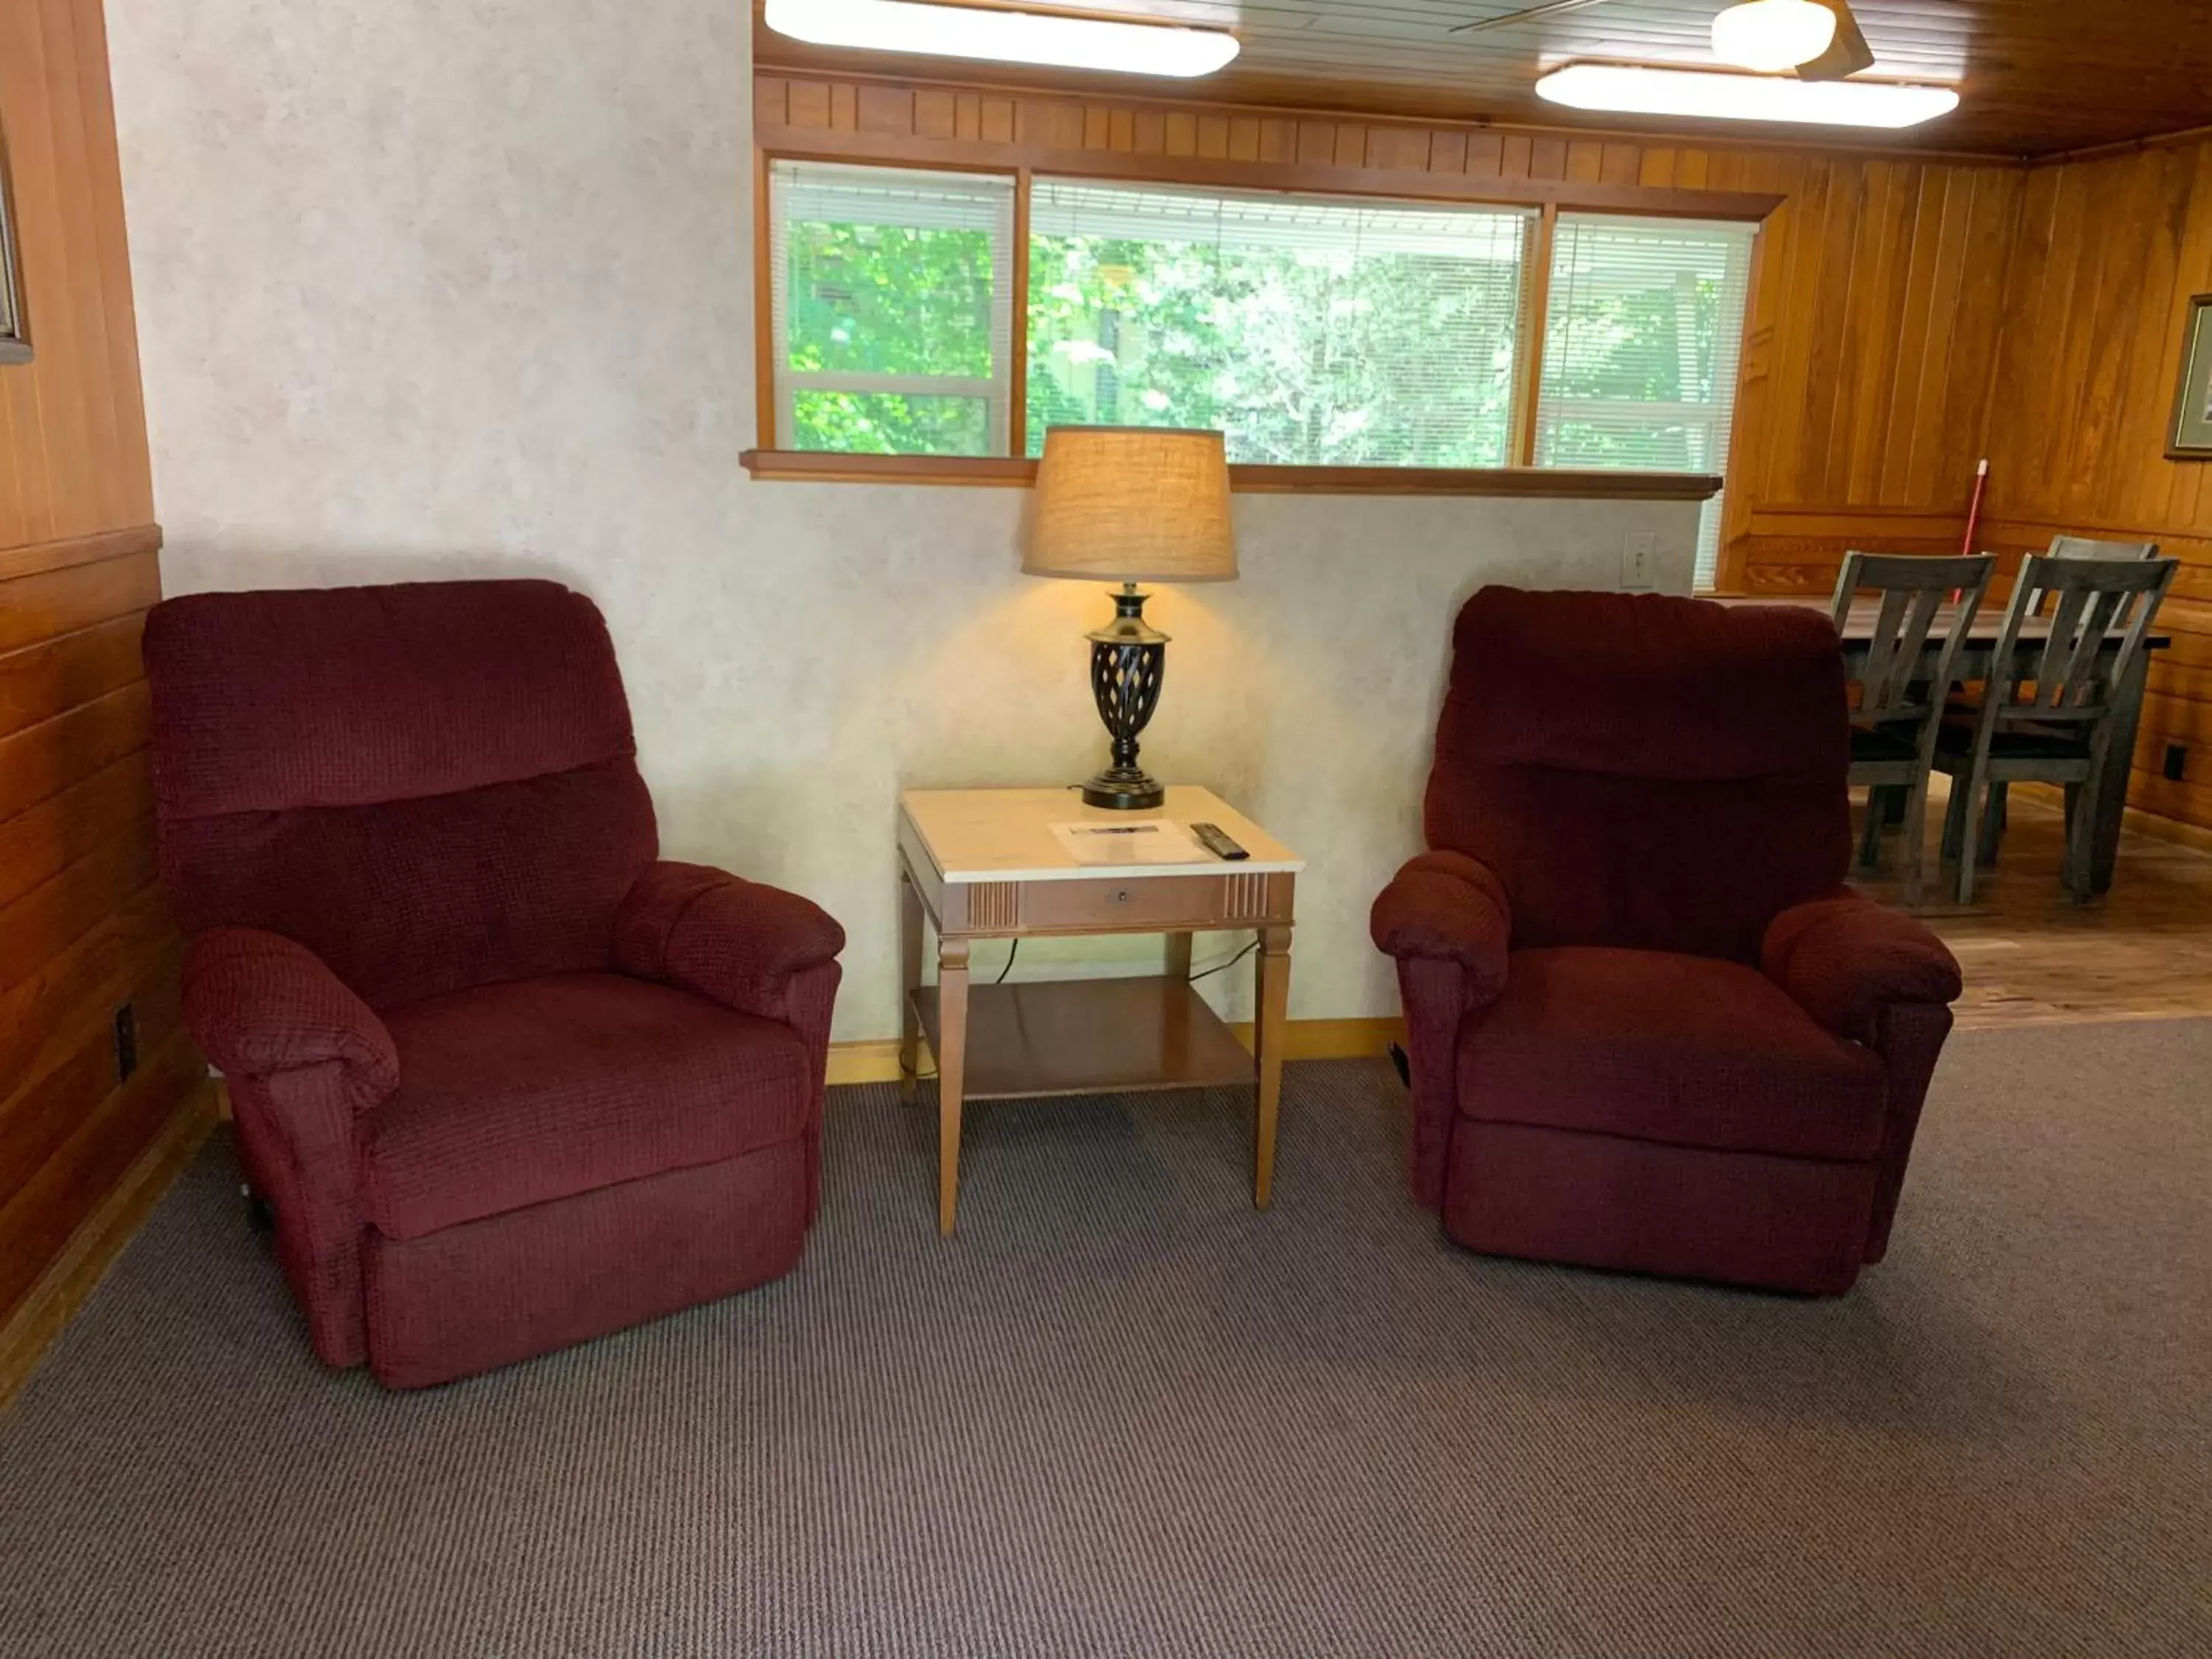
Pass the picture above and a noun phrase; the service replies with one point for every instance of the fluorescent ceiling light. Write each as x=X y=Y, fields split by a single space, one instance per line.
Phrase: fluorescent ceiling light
x=1004 y=37
x=1773 y=34
x=1627 y=89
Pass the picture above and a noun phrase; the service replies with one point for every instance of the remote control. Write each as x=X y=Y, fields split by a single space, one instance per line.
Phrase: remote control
x=1217 y=843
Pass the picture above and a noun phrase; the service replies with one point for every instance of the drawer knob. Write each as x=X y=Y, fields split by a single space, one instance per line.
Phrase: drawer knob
x=1121 y=896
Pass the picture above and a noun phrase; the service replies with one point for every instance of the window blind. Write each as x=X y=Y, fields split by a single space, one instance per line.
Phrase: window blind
x=1311 y=332
x=893 y=309
x=1642 y=344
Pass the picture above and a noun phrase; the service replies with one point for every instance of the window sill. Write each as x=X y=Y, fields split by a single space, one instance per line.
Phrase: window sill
x=1552 y=484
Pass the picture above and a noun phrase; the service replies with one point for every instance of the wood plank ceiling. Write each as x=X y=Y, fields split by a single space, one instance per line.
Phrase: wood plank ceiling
x=2037 y=76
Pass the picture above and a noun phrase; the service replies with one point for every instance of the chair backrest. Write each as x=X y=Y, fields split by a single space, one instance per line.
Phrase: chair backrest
x=1641 y=771
x=2082 y=547
x=1916 y=596
x=430 y=786
x=2094 y=602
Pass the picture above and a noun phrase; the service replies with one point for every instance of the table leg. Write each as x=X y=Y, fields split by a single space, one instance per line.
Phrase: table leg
x=951 y=1067
x=1178 y=955
x=1271 y=976
x=910 y=1054
x=2112 y=793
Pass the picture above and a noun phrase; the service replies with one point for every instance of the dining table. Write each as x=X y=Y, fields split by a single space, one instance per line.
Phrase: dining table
x=1978 y=658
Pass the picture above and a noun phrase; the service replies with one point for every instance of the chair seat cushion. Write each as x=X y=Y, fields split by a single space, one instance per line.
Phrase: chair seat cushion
x=1683 y=1051
x=1887 y=742
x=2029 y=742
x=539 y=1088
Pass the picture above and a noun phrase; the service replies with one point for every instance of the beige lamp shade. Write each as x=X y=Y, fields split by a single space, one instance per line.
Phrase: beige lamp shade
x=1128 y=504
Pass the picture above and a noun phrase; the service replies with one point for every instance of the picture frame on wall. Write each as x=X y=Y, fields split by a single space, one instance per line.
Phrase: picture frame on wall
x=2190 y=439
x=14 y=331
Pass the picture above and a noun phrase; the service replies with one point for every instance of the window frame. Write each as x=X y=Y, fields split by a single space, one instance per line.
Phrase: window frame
x=1717 y=417
x=997 y=393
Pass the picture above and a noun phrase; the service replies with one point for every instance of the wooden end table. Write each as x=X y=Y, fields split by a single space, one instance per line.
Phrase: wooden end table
x=984 y=864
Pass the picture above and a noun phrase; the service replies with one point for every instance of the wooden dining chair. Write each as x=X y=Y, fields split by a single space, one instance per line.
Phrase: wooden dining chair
x=1900 y=694
x=2062 y=547
x=2052 y=721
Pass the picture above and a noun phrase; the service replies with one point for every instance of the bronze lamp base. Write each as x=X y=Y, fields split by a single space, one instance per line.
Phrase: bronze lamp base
x=1128 y=660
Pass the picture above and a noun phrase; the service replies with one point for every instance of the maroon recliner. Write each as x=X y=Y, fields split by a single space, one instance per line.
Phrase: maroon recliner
x=1649 y=1028
x=506 y=1081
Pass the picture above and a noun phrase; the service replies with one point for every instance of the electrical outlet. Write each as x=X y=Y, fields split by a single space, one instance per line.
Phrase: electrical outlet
x=126 y=1041
x=1636 y=556
x=2177 y=763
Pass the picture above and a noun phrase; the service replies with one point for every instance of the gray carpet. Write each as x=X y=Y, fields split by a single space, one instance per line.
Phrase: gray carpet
x=1124 y=1414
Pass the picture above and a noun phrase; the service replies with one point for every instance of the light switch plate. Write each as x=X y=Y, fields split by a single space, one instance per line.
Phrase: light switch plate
x=1637 y=554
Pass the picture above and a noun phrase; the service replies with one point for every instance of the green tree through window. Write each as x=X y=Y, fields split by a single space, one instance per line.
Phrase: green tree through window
x=893 y=310
x=1281 y=328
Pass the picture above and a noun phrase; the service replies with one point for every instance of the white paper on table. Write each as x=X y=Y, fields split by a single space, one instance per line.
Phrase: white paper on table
x=1155 y=841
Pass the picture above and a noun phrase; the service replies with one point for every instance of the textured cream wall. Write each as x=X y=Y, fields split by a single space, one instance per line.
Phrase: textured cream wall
x=432 y=290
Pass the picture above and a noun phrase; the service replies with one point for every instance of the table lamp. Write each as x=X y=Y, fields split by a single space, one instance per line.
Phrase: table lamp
x=1131 y=504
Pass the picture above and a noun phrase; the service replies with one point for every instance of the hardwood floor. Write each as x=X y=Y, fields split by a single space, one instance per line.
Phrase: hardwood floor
x=2143 y=951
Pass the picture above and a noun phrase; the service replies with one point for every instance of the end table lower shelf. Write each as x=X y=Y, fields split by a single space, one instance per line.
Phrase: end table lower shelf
x=1088 y=1037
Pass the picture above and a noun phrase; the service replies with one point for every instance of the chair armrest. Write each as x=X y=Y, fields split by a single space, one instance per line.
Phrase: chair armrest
x=259 y=1004
x=738 y=943
x=1447 y=906
x=1446 y=920
x=1846 y=960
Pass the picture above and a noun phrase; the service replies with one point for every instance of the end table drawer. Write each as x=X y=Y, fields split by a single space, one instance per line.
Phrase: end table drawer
x=1135 y=903
x=1128 y=902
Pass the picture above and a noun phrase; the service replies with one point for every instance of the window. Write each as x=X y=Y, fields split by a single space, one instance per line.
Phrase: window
x=894 y=310
x=1312 y=333
x=1642 y=341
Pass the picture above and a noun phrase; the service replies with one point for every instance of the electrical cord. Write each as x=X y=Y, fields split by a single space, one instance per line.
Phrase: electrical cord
x=1016 y=950
x=924 y=1077
x=1224 y=967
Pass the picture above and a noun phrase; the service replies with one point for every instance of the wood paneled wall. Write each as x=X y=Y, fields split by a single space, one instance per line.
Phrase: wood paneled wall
x=83 y=927
x=2109 y=253
x=1873 y=334
x=1874 y=340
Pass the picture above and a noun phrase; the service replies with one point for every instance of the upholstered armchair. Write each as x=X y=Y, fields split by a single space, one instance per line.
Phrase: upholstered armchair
x=505 y=1079
x=1649 y=1028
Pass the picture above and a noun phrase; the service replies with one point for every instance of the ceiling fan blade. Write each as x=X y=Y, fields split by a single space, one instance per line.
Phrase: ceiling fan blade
x=1528 y=14
x=1847 y=54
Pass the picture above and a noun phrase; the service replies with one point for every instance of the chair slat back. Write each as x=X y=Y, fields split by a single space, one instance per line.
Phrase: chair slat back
x=1914 y=593
x=2095 y=602
x=2082 y=547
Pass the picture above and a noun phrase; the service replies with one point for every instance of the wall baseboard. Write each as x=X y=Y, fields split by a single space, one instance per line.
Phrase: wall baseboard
x=876 y=1060
x=2155 y=825
x=53 y=1301
x=2159 y=827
